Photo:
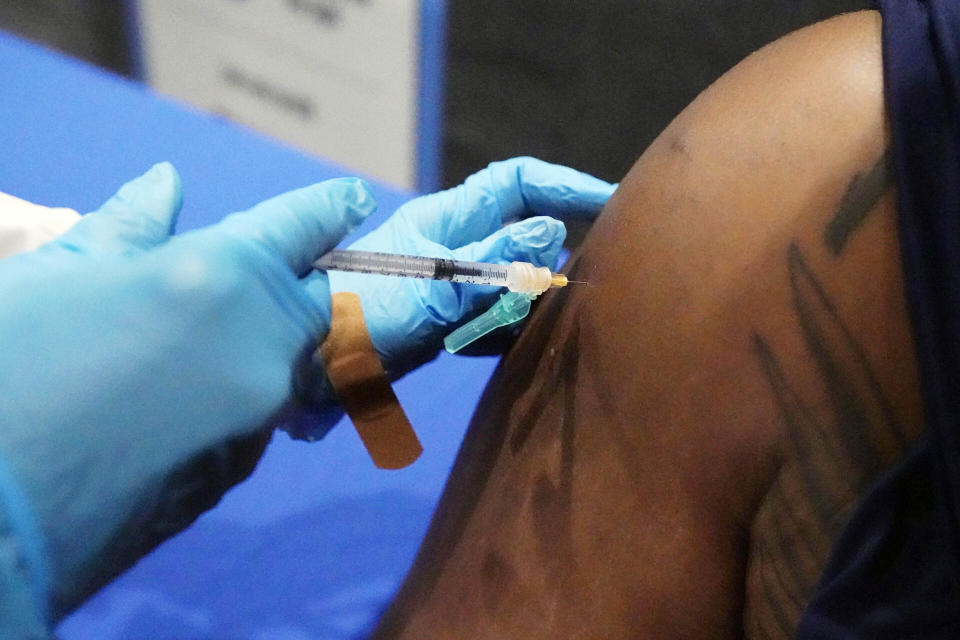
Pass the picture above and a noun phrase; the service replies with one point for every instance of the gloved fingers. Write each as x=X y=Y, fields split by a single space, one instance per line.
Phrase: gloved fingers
x=447 y=303
x=531 y=186
x=514 y=188
x=141 y=215
x=301 y=225
x=537 y=240
x=528 y=186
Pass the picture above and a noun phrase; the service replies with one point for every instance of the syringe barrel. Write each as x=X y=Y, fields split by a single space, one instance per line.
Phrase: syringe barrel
x=471 y=272
x=414 y=267
x=520 y=277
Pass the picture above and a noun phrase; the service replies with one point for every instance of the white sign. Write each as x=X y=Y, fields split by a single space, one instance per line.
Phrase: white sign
x=335 y=77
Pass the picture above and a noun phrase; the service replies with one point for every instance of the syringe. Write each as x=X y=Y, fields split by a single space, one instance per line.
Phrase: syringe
x=521 y=277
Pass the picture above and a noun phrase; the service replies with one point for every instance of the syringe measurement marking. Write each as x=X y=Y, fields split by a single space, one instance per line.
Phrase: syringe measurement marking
x=446 y=269
x=375 y=263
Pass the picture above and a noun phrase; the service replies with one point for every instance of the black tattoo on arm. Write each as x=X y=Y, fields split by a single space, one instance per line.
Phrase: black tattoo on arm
x=836 y=445
x=860 y=428
x=840 y=434
x=861 y=196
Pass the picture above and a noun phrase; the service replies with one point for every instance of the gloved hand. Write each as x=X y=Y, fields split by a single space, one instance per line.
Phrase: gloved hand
x=408 y=318
x=129 y=358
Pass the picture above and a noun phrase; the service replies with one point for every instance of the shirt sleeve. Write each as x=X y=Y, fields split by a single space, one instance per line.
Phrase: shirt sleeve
x=24 y=226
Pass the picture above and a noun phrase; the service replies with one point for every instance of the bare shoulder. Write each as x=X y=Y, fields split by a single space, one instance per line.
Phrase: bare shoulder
x=845 y=49
x=825 y=80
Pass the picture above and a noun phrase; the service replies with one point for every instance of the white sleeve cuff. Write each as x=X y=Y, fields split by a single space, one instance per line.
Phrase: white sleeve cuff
x=24 y=226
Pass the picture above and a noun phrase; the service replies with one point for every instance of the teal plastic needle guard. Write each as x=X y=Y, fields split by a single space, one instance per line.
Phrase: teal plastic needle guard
x=510 y=308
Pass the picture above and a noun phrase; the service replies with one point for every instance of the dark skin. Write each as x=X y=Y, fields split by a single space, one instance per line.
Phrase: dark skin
x=671 y=451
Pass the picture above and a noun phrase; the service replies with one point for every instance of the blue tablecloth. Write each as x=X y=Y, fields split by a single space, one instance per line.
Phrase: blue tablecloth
x=315 y=542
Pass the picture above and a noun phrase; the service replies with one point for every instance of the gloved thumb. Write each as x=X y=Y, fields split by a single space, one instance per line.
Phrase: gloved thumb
x=139 y=216
x=301 y=225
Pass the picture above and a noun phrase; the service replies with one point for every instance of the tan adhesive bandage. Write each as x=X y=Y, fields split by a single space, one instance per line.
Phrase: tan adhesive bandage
x=358 y=377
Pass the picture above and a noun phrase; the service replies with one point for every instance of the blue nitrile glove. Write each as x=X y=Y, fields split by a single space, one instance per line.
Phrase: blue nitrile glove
x=135 y=366
x=408 y=318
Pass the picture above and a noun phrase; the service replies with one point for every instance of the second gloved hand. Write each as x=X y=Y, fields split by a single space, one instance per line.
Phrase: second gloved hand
x=408 y=318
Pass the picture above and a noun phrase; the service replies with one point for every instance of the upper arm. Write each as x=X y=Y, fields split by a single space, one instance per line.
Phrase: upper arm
x=760 y=307
x=669 y=450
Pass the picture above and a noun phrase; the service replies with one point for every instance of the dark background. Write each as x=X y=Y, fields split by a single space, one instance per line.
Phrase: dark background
x=587 y=84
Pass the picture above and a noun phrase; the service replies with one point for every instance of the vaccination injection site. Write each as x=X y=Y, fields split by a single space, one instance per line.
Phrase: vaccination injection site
x=456 y=320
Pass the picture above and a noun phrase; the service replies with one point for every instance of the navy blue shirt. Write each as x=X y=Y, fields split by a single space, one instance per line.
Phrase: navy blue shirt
x=893 y=572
